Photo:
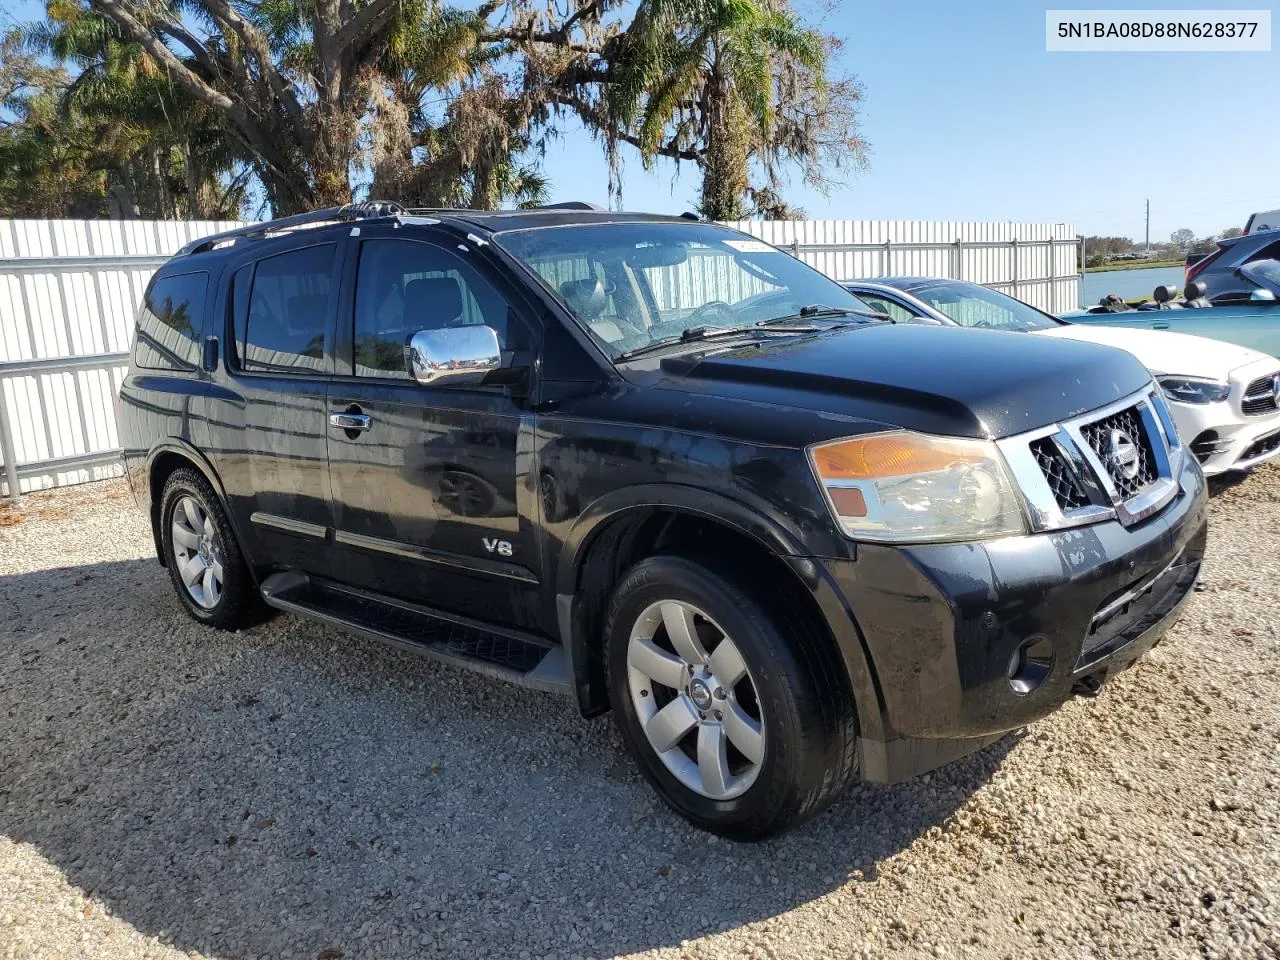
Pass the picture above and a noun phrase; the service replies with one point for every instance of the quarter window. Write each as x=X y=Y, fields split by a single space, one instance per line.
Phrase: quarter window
x=404 y=286
x=283 y=327
x=169 y=323
x=899 y=313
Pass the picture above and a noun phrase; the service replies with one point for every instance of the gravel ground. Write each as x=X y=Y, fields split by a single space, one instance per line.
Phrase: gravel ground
x=290 y=791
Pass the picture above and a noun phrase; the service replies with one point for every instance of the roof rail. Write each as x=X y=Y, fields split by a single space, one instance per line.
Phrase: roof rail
x=256 y=231
x=569 y=205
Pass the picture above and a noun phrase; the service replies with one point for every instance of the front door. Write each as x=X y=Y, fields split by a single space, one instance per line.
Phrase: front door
x=431 y=495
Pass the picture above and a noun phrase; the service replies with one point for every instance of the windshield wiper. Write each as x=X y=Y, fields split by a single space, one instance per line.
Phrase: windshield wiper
x=696 y=334
x=821 y=310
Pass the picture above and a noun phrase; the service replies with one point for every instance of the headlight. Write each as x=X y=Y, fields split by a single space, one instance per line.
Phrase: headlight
x=908 y=487
x=1193 y=390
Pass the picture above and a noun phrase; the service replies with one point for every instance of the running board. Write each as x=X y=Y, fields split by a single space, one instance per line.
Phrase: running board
x=505 y=654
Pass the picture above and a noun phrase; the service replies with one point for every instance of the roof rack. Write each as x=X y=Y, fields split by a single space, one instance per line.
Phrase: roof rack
x=256 y=231
x=569 y=205
x=514 y=212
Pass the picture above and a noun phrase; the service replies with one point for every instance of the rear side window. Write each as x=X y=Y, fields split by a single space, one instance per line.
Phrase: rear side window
x=169 y=323
x=282 y=311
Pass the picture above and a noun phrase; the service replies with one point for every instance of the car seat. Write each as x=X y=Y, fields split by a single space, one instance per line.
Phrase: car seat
x=1193 y=298
x=1163 y=295
x=587 y=298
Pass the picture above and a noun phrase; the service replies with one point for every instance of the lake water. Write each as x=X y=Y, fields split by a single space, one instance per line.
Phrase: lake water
x=1129 y=283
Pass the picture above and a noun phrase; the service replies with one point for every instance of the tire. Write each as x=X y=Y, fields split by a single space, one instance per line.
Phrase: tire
x=234 y=602
x=793 y=688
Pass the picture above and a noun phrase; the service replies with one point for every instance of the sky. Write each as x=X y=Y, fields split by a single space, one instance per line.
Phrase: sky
x=969 y=118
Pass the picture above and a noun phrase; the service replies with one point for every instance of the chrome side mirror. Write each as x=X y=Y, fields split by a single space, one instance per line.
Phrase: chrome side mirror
x=454 y=356
x=1262 y=295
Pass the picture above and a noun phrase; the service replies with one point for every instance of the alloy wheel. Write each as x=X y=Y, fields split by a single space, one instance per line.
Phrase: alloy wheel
x=197 y=552
x=695 y=699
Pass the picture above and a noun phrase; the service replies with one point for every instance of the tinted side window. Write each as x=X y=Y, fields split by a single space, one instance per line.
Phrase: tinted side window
x=404 y=286
x=169 y=323
x=288 y=311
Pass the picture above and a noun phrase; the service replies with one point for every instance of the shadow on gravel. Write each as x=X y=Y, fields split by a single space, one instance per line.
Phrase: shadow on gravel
x=291 y=790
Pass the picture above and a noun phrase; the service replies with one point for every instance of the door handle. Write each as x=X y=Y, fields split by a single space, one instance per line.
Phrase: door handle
x=349 y=421
x=1159 y=326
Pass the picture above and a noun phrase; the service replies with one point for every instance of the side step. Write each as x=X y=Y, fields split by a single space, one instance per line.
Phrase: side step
x=505 y=654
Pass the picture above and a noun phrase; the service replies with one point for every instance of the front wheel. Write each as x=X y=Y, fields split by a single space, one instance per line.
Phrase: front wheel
x=740 y=719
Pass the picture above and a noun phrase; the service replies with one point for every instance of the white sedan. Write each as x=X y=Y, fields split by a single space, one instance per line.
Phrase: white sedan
x=1225 y=398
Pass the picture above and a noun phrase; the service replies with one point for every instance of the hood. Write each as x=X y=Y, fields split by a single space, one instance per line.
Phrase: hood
x=943 y=380
x=1163 y=352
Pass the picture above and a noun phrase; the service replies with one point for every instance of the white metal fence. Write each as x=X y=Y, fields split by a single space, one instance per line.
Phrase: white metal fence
x=69 y=288
x=1035 y=262
x=68 y=291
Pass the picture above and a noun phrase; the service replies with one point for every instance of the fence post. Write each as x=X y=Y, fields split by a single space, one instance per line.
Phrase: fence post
x=1083 y=263
x=959 y=269
x=1053 y=276
x=1013 y=245
x=7 y=451
x=886 y=259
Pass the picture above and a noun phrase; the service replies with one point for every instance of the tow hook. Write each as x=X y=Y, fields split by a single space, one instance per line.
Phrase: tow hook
x=1086 y=687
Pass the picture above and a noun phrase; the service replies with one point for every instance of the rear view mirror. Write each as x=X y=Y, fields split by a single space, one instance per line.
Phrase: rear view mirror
x=659 y=255
x=454 y=355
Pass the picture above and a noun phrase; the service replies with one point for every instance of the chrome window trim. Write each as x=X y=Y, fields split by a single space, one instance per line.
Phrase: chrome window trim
x=1041 y=505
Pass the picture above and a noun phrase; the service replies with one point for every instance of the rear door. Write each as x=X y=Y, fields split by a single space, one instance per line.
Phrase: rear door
x=432 y=494
x=266 y=419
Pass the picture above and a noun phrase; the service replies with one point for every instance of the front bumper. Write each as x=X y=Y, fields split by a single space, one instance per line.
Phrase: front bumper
x=1221 y=435
x=1223 y=439
x=940 y=625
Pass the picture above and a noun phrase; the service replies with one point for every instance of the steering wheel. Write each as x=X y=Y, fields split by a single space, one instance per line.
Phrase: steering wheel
x=711 y=306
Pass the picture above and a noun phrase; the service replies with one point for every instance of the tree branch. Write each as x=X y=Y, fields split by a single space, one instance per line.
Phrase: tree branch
x=593 y=7
x=244 y=124
x=257 y=44
x=590 y=118
x=158 y=49
x=367 y=23
x=529 y=35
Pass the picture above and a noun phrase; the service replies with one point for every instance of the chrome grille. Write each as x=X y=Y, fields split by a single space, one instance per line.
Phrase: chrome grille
x=1127 y=423
x=1068 y=472
x=1063 y=481
x=1260 y=396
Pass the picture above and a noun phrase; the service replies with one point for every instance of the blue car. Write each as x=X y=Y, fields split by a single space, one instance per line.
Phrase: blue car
x=1223 y=300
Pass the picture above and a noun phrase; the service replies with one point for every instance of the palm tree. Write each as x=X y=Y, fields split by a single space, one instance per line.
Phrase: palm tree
x=702 y=74
x=164 y=154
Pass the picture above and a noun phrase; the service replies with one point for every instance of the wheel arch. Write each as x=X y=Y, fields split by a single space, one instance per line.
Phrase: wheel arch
x=163 y=460
x=626 y=525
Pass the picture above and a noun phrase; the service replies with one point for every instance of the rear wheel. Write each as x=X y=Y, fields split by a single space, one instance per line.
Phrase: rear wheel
x=740 y=719
x=205 y=564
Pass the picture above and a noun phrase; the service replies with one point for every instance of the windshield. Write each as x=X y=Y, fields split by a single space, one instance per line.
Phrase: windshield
x=633 y=284
x=973 y=306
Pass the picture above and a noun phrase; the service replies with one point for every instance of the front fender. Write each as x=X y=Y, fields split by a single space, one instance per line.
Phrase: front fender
x=772 y=534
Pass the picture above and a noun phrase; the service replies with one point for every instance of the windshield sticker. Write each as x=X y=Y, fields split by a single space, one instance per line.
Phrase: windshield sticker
x=749 y=246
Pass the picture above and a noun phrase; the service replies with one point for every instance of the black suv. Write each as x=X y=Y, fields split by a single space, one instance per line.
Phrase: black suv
x=660 y=466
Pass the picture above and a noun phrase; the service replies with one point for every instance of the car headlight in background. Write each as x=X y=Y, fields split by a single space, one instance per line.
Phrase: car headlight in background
x=909 y=487
x=1193 y=389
